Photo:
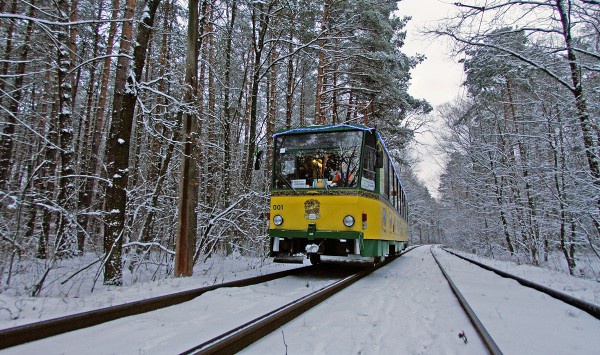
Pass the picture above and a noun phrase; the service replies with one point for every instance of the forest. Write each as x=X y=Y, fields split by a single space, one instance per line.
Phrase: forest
x=522 y=176
x=130 y=129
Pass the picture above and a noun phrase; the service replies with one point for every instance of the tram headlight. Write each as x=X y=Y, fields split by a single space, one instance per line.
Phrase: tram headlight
x=348 y=221
x=277 y=220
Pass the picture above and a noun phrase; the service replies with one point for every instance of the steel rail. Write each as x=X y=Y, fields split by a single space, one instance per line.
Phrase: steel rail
x=40 y=330
x=241 y=337
x=588 y=307
x=487 y=339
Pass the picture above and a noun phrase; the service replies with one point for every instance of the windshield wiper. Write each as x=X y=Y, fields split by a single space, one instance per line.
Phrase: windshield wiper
x=287 y=182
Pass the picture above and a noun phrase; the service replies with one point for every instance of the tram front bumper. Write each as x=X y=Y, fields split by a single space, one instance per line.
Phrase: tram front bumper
x=286 y=244
x=296 y=259
x=313 y=233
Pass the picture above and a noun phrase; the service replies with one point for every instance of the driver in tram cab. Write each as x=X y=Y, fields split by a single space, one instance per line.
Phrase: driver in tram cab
x=346 y=177
x=334 y=178
x=333 y=172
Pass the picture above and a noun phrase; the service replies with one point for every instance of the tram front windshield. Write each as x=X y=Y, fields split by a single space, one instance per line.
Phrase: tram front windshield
x=317 y=160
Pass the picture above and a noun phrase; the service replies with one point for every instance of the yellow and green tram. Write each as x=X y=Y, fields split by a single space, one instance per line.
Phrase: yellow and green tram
x=335 y=196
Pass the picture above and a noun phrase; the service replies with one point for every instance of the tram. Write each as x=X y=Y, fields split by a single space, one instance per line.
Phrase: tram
x=335 y=196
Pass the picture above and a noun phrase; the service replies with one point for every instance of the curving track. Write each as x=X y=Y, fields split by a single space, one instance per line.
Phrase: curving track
x=404 y=307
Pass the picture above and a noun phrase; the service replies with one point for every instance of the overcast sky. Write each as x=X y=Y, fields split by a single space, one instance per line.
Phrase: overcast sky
x=437 y=79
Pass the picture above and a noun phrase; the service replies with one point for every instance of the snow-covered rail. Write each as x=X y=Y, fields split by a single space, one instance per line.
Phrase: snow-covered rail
x=590 y=308
x=239 y=338
x=520 y=319
x=487 y=339
x=40 y=330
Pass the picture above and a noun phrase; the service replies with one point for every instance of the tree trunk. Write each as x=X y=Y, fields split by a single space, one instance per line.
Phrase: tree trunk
x=301 y=112
x=227 y=147
x=188 y=185
x=160 y=164
x=66 y=224
x=48 y=171
x=104 y=81
x=92 y=166
x=531 y=214
x=289 y=93
x=319 y=112
x=335 y=114
x=211 y=118
x=157 y=159
x=115 y=200
x=119 y=140
x=73 y=17
x=272 y=107
x=588 y=128
x=260 y=17
x=6 y=145
x=248 y=106
x=86 y=192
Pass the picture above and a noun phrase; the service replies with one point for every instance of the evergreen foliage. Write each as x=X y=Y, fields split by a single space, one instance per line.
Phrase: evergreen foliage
x=92 y=106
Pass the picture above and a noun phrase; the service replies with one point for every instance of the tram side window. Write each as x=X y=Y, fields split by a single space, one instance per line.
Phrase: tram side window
x=398 y=195
x=399 y=198
x=402 y=206
x=386 y=166
x=403 y=203
x=391 y=179
x=369 y=174
x=396 y=192
x=384 y=180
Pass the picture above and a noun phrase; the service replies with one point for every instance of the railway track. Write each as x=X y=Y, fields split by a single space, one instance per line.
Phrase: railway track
x=590 y=308
x=503 y=306
x=40 y=330
x=239 y=338
x=485 y=336
x=36 y=331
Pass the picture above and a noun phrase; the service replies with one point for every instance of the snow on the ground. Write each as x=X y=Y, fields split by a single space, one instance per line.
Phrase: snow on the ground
x=175 y=329
x=522 y=320
x=585 y=289
x=82 y=294
x=403 y=308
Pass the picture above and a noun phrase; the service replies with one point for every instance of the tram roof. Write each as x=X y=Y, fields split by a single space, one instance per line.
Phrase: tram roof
x=324 y=128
